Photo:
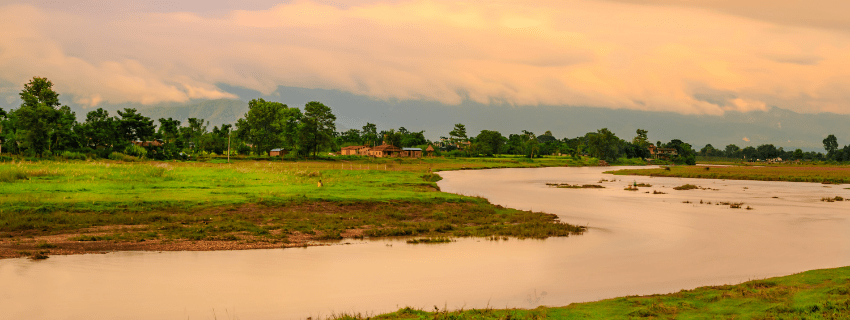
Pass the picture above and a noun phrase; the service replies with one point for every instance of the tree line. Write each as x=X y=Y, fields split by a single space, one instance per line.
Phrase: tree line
x=42 y=126
x=769 y=151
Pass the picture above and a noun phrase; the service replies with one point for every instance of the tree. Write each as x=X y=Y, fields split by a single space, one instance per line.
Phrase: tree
x=830 y=144
x=732 y=151
x=546 y=137
x=392 y=138
x=370 y=134
x=532 y=146
x=458 y=133
x=194 y=130
x=749 y=153
x=641 y=138
x=708 y=151
x=411 y=139
x=99 y=129
x=603 y=144
x=269 y=125
x=350 y=137
x=767 y=151
x=40 y=118
x=798 y=154
x=3 y=120
x=491 y=142
x=317 y=126
x=133 y=126
x=169 y=129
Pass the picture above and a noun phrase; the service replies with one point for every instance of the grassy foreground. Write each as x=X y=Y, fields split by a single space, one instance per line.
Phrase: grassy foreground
x=69 y=207
x=802 y=173
x=816 y=294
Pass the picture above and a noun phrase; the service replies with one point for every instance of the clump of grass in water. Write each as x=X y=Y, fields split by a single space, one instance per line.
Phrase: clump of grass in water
x=686 y=187
x=658 y=192
x=836 y=198
x=41 y=255
x=429 y=240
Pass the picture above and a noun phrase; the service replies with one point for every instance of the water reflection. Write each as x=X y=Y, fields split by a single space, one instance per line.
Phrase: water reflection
x=639 y=243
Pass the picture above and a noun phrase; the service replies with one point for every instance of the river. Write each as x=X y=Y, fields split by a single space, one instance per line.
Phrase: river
x=637 y=243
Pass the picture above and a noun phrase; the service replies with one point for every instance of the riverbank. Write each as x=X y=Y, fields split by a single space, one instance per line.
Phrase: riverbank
x=816 y=294
x=828 y=174
x=96 y=206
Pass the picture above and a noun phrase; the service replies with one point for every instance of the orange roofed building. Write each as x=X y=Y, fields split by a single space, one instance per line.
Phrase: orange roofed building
x=385 y=150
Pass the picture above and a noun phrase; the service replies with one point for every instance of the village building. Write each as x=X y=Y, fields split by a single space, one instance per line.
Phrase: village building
x=385 y=150
x=662 y=153
x=154 y=143
x=353 y=151
x=278 y=152
x=411 y=152
x=429 y=151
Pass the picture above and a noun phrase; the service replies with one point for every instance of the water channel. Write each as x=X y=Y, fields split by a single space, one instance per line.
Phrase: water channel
x=638 y=243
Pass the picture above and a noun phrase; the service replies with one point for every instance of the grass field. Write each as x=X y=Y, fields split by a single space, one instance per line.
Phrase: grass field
x=802 y=173
x=253 y=201
x=816 y=294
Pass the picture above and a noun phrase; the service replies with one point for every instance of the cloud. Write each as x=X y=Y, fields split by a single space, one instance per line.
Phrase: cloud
x=572 y=53
x=828 y=14
x=746 y=139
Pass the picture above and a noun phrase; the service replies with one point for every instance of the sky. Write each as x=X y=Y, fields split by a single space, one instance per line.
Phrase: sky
x=691 y=57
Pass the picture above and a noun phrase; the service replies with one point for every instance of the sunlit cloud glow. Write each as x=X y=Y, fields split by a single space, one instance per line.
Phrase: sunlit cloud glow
x=660 y=57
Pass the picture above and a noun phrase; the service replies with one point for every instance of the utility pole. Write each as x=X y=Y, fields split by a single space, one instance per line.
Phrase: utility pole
x=228 y=145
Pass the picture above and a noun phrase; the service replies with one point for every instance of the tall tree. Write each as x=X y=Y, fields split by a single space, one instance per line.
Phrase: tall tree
x=39 y=117
x=132 y=126
x=350 y=137
x=458 y=133
x=318 y=126
x=491 y=142
x=732 y=151
x=100 y=129
x=830 y=144
x=268 y=125
x=194 y=130
x=169 y=129
x=3 y=120
x=641 y=138
x=604 y=145
x=370 y=134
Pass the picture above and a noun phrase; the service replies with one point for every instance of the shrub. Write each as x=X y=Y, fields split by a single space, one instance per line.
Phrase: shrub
x=136 y=151
x=68 y=155
x=116 y=156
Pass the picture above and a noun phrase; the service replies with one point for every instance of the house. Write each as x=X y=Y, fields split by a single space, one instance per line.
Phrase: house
x=665 y=153
x=429 y=151
x=411 y=152
x=155 y=143
x=278 y=152
x=385 y=150
x=353 y=151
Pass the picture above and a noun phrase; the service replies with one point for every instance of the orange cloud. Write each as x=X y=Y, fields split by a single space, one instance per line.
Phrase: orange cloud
x=575 y=53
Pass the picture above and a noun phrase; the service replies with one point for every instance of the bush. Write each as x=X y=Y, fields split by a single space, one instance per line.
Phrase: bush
x=68 y=155
x=136 y=151
x=122 y=157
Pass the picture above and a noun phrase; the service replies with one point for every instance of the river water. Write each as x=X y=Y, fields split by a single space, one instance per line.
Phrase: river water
x=638 y=243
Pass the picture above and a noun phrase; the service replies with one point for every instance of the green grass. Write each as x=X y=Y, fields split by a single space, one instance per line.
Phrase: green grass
x=800 y=173
x=816 y=294
x=266 y=200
